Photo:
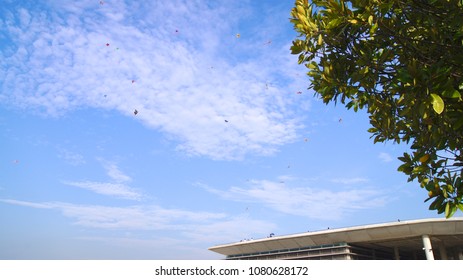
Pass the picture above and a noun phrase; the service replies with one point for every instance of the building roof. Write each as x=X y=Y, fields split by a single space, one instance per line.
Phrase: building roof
x=403 y=234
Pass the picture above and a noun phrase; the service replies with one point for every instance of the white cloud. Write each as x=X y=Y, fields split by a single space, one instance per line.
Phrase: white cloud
x=385 y=157
x=137 y=217
x=111 y=189
x=186 y=83
x=118 y=188
x=115 y=173
x=27 y=203
x=196 y=227
x=71 y=157
x=349 y=181
x=313 y=202
x=189 y=228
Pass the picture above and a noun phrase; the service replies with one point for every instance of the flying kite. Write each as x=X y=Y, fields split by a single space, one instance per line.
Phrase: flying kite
x=135 y=112
x=238 y=35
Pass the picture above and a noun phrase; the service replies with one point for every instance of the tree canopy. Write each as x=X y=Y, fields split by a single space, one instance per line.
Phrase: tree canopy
x=402 y=61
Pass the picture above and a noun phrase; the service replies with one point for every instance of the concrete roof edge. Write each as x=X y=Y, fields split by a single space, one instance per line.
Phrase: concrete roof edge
x=344 y=229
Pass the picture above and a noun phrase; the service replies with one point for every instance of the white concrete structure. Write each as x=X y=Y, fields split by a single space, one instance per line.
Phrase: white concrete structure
x=417 y=239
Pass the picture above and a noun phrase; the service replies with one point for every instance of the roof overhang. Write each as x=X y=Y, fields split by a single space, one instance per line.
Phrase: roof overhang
x=401 y=234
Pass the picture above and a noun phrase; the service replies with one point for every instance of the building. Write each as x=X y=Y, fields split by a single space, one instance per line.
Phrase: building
x=416 y=239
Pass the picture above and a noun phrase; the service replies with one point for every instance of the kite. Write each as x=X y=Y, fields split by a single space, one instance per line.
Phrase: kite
x=226 y=121
x=238 y=35
x=268 y=42
x=135 y=112
x=133 y=81
x=101 y=2
x=299 y=92
x=107 y=44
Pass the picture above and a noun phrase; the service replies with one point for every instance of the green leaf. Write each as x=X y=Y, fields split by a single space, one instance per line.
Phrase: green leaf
x=320 y=39
x=370 y=20
x=437 y=203
x=297 y=47
x=458 y=124
x=334 y=23
x=420 y=169
x=437 y=103
x=312 y=65
x=424 y=158
x=451 y=93
x=447 y=210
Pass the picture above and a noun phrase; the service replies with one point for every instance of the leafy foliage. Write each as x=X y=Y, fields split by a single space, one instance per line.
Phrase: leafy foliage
x=402 y=61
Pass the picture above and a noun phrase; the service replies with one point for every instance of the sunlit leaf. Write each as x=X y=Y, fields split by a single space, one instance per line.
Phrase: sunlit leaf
x=437 y=103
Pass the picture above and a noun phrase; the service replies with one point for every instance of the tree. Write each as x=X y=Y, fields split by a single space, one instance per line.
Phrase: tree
x=402 y=61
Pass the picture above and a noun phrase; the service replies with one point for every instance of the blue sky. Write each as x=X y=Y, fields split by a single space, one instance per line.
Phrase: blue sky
x=227 y=142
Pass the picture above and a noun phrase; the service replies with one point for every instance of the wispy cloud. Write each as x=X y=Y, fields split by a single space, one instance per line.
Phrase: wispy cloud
x=181 y=75
x=137 y=217
x=385 y=157
x=117 y=187
x=313 y=202
x=110 y=189
x=71 y=157
x=349 y=181
x=197 y=227
x=114 y=172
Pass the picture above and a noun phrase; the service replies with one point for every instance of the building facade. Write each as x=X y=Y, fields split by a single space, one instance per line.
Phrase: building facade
x=429 y=239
